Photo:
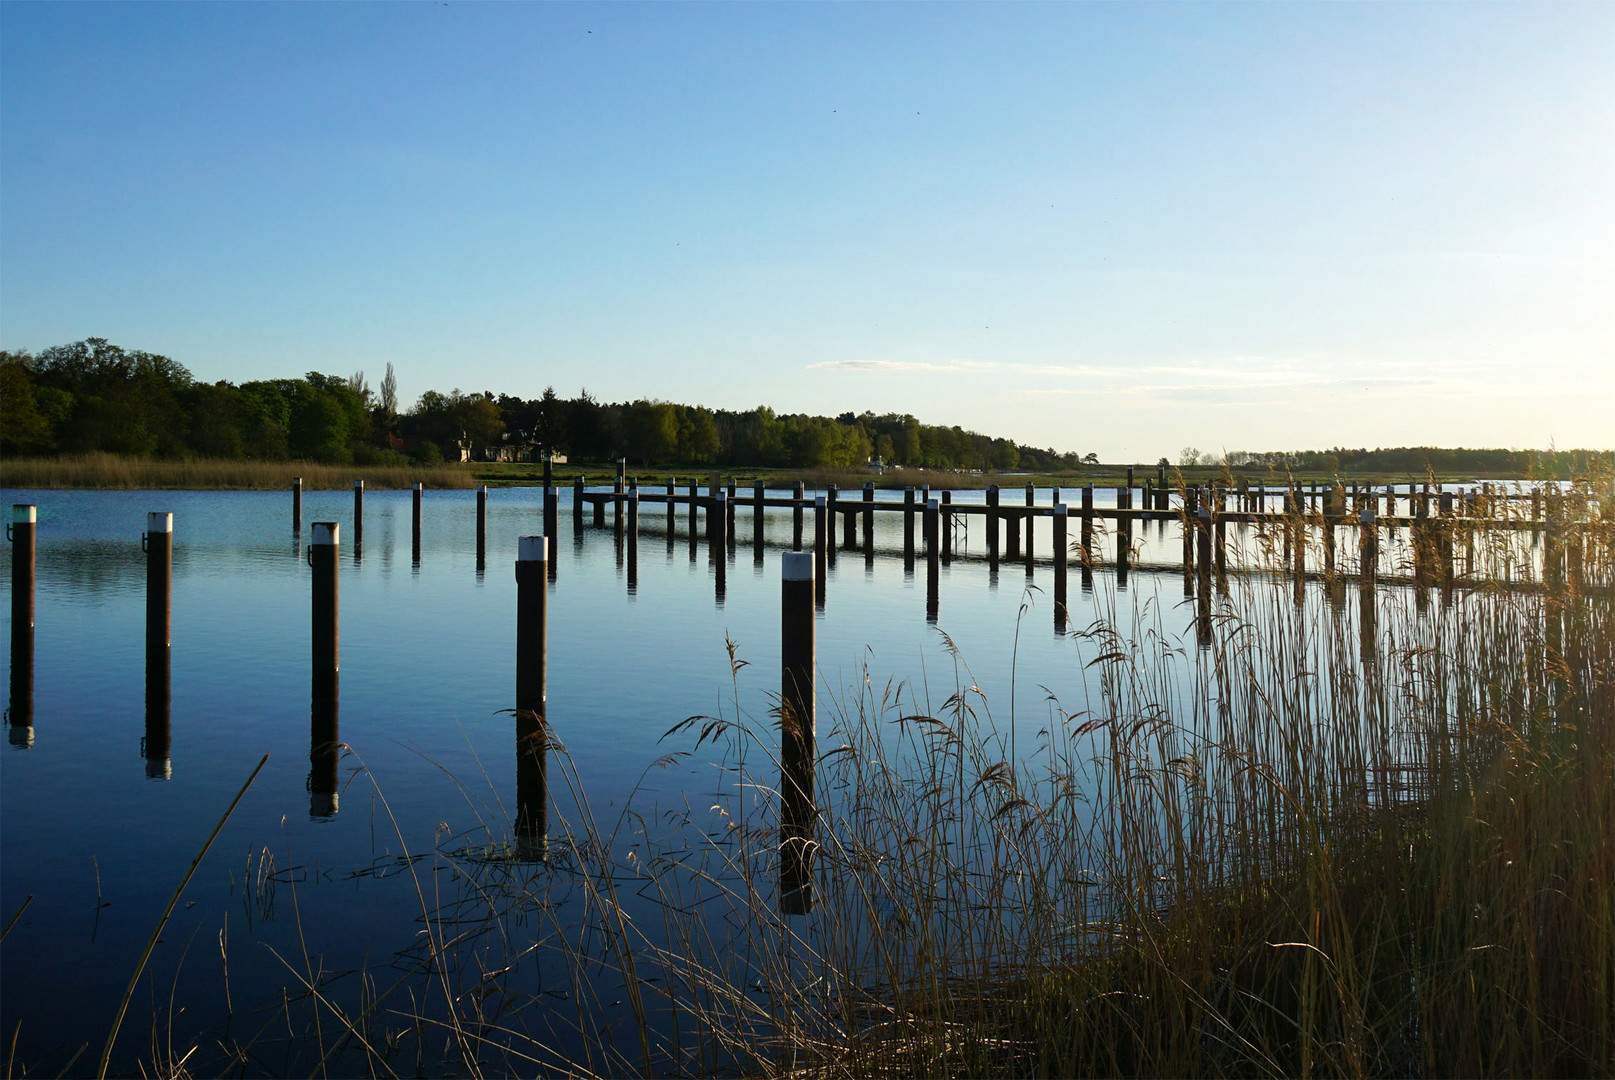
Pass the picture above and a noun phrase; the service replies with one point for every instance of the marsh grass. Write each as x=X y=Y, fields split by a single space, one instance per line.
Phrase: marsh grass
x=1280 y=849
x=112 y=471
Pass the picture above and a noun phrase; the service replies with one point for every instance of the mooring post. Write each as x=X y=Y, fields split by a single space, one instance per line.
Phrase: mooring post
x=1160 y=487
x=297 y=505
x=733 y=504
x=991 y=518
x=358 y=512
x=798 y=723
x=633 y=538
x=577 y=504
x=1191 y=513
x=322 y=558
x=1203 y=535
x=1220 y=517
x=715 y=525
x=849 y=529
x=20 y=532
x=1367 y=542
x=821 y=543
x=1086 y=532
x=1061 y=560
x=1444 y=537
x=933 y=557
x=415 y=524
x=1031 y=525
x=158 y=540
x=482 y=521
x=798 y=509
x=945 y=524
x=908 y=527
x=1012 y=530
x=869 y=519
x=830 y=524
x=532 y=650
x=324 y=747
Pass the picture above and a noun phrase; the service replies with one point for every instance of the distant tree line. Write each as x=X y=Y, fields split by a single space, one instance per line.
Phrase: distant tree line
x=1406 y=461
x=95 y=396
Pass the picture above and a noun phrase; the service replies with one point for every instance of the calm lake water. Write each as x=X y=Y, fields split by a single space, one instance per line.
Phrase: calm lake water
x=100 y=837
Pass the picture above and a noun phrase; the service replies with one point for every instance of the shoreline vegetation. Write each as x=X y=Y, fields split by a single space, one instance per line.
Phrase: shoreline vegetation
x=1292 y=849
x=123 y=472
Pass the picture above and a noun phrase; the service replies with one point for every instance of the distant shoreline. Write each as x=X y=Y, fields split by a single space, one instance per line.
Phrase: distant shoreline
x=111 y=472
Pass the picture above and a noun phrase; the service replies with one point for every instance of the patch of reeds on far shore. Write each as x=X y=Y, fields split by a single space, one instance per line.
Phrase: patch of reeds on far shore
x=211 y=474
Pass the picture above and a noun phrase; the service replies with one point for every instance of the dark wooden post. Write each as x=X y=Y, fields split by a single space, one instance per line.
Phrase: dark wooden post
x=1031 y=524
x=297 y=505
x=1444 y=537
x=908 y=528
x=945 y=524
x=1061 y=520
x=1012 y=532
x=933 y=557
x=830 y=524
x=869 y=519
x=798 y=723
x=158 y=541
x=482 y=521
x=759 y=496
x=715 y=509
x=415 y=525
x=1203 y=525
x=821 y=544
x=798 y=493
x=322 y=557
x=991 y=518
x=577 y=504
x=324 y=747
x=633 y=538
x=1220 y=517
x=21 y=706
x=1191 y=514
x=358 y=512
x=532 y=690
x=733 y=505
x=1160 y=487
x=1367 y=543
x=849 y=530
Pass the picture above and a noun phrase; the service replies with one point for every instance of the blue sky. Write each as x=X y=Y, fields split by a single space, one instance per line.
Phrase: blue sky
x=1099 y=227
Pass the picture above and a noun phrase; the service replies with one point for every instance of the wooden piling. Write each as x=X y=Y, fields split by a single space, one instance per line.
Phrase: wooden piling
x=482 y=521
x=821 y=544
x=1087 y=528
x=633 y=538
x=1061 y=559
x=830 y=524
x=358 y=512
x=159 y=544
x=324 y=540
x=415 y=525
x=577 y=505
x=798 y=493
x=933 y=557
x=908 y=528
x=945 y=524
x=869 y=519
x=1031 y=525
x=532 y=690
x=991 y=518
x=798 y=723
x=297 y=505
x=20 y=531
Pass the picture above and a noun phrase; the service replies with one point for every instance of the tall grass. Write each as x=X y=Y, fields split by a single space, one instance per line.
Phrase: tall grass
x=204 y=474
x=1293 y=849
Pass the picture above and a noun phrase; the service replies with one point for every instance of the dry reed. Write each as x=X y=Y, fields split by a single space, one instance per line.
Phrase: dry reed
x=113 y=471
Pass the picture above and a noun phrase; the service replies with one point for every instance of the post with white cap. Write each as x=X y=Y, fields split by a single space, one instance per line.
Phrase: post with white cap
x=20 y=532
x=532 y=644
x=797 y=732
x=324 y=538
x=159 y=544
x=1061 y=518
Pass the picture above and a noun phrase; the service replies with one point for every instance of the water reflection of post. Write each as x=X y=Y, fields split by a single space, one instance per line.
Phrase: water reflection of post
x=532 y=733
x=159 y=545
x=20 y=709
x=797 y=733
x=324 y=664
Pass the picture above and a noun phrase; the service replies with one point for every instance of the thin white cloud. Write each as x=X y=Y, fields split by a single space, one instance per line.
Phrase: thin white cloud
x=957 y=367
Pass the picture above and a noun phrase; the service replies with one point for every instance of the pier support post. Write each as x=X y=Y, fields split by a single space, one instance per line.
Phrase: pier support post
x=358 y=512
x=324 y=540
x=297 y=505
x=577 y=504
x=945 y=524
x=415 y=525
x=158 y=541
x=482 y=522
x=797 y=732
x=830 y=524
x=323 y=546
x=1060 y=522
x=908 y=529
x=821 y=545
x=633 y=538
x=532 y=690
x=933 y=556
x=991 y=518
x=21 y=705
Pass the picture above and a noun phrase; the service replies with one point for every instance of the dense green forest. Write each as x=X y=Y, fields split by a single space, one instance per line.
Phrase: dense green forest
x=92 y=396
